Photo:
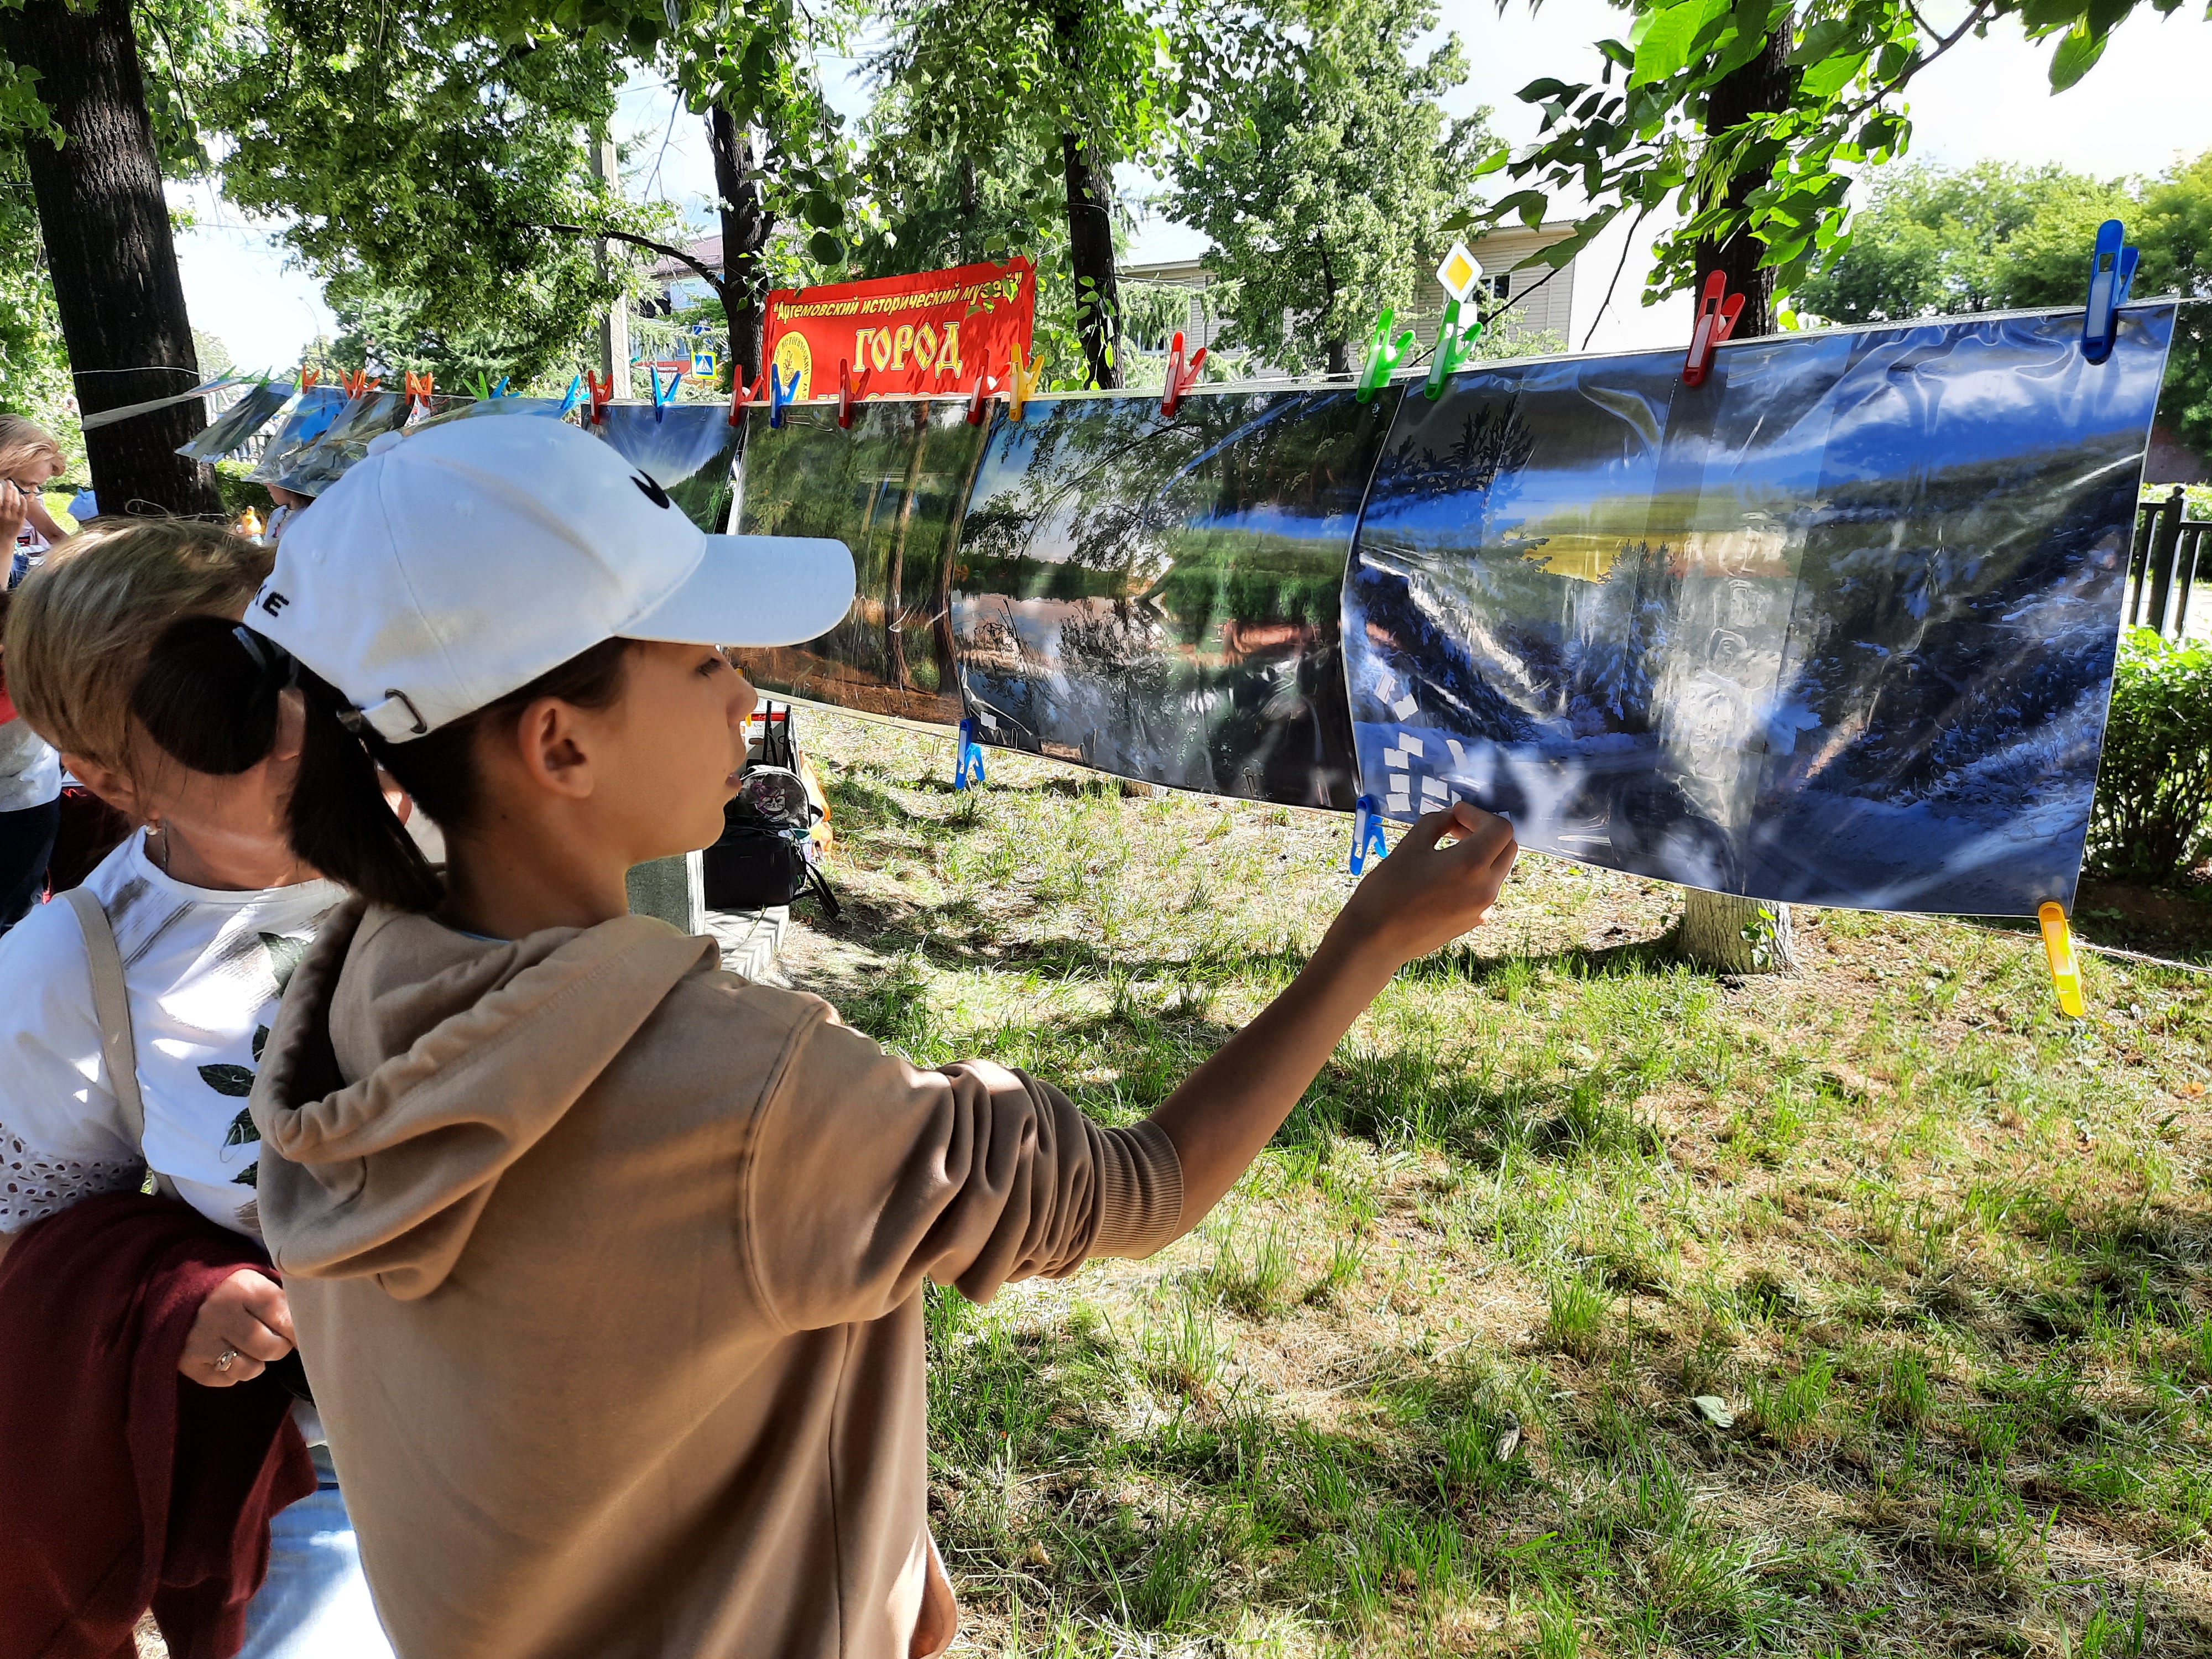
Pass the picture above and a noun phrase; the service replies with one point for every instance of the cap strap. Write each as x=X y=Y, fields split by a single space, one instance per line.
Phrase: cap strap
x=395 y=720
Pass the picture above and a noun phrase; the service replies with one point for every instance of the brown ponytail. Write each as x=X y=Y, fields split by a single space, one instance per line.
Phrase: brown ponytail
x=208 y=696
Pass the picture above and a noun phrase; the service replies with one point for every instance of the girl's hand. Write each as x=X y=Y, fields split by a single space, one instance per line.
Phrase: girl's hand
x=1426 y=894
x=13 y=505
x=245 y=1318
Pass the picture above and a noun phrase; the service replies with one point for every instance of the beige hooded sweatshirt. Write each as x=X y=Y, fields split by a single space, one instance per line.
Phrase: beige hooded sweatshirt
x=607 y=1269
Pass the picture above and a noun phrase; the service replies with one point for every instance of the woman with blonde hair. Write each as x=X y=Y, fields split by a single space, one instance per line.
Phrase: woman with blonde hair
x=30 y=772
x=208 y=910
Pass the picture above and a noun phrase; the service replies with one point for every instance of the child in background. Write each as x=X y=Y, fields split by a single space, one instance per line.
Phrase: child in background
x=30 y=771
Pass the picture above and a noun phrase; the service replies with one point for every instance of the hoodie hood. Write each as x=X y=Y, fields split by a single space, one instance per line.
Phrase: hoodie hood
x=465 y=1053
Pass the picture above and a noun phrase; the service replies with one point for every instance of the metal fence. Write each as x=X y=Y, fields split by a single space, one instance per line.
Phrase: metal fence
x=2163 y=565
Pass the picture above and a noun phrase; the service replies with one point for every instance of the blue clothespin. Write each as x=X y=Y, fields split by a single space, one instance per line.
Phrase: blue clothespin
x=968 y=760
x=501 y=391
x=652 y=375
x=572 y=397
x=1367 y=833
x=780 y=395
x=2112 y=270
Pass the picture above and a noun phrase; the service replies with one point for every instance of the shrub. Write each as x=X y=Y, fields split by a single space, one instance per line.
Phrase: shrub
x=2154 y=790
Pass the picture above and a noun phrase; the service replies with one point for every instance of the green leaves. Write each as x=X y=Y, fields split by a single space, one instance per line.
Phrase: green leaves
x=1839 y=105
x=242 y=1131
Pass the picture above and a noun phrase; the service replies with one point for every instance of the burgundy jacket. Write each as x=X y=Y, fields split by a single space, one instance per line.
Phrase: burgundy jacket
x=122 y=1485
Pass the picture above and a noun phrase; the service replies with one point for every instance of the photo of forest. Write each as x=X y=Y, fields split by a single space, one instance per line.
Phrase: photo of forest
x=688 y=449
x=891 y=488
x=1160 y=599
x=1836 y=627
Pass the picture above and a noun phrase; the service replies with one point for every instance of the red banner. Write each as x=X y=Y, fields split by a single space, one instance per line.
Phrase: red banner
x=930 y=332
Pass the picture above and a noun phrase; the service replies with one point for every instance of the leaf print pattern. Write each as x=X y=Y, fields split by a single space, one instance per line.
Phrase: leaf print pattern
x=248 y=1176
x=285 y=956
x=226 y=1079
x=242 y=1130
x=260 y=1042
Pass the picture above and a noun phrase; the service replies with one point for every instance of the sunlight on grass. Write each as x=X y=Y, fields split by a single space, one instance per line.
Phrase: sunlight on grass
x=1423 y=1384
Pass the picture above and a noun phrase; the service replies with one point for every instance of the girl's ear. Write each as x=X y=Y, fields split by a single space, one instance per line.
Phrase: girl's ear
x=111 y=785
x=552 y=746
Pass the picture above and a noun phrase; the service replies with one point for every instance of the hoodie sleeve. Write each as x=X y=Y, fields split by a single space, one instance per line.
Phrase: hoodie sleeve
x=865 y=1174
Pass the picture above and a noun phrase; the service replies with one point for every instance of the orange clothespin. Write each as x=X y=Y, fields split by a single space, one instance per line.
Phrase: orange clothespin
x=358 y=384
x=848 y=393
x=418 y=389
x=308 y=377
x=1181 y=377
x=1718 y=311
x=977 y=399
x=742 y=396
x=1023 y=378
x=603 y=393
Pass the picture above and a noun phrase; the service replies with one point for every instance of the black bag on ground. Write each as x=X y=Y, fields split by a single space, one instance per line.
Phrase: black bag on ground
x=762 y=858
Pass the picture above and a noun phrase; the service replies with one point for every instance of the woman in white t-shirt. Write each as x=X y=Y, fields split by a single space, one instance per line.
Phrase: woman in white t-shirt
x=211 y=911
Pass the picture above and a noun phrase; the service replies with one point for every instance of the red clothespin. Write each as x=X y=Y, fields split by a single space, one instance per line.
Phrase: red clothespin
x=308 y=377
x=418 y=389
x=979 y=398
x=848 y=393
x=1181 y=377
x=1718 y=311
x=742 y=396
x=603 y=393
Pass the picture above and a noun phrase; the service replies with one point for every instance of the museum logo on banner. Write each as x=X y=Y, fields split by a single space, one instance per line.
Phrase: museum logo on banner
x=934 y=331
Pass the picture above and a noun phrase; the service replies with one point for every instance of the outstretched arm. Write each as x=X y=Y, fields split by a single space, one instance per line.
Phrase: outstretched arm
x=1420 y=898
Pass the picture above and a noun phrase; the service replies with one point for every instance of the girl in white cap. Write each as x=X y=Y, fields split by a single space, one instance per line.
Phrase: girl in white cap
x=606 y=1265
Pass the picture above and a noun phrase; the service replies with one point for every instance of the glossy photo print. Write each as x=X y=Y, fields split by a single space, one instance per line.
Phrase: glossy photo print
x=1160 y=599
x=1836 y=627
x=306 y=416
x=892 y=487
x=688 y=449
x=315 y=468
x=239 y=424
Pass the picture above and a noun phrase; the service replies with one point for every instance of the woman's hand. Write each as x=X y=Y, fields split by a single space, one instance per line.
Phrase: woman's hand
x=246 y=1317
x=1425 y=895
x=13 y=506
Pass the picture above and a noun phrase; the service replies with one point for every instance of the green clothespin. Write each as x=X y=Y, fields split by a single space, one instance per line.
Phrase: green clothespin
x=1459 y=274
x=1382 y=356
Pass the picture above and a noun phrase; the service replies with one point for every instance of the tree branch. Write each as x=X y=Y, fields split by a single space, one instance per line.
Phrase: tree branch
x=718 y=284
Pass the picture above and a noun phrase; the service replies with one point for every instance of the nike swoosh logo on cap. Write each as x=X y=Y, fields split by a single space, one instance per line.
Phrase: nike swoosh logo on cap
x=651 y=487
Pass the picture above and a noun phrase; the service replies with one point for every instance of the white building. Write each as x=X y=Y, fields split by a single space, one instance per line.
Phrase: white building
x=1538 y=301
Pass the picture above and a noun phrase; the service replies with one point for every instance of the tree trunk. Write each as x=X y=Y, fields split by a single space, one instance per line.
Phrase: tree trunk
x=1340 y=357
x=1715 y=926
x=1090 y=256
x=746 y=224
x=971 y=208
x=106 y=229
x=1730 y=935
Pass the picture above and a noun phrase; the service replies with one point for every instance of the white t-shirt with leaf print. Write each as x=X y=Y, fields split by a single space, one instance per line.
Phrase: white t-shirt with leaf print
x=204 y=970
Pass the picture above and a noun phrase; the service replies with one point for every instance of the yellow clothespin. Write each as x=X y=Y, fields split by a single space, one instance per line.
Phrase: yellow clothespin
x=2059 y=951
x=1024 y=382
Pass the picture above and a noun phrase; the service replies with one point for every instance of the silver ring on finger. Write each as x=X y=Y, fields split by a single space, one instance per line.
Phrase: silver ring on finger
x=222 y=1360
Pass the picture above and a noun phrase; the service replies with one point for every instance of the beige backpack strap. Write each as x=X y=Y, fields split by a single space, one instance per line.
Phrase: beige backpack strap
x=111 y=1006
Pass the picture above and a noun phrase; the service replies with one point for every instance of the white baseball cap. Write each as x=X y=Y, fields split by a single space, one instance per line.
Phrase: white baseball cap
x=449 y=567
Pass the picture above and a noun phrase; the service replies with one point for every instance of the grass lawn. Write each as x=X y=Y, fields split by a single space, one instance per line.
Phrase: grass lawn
x=1587 y=1303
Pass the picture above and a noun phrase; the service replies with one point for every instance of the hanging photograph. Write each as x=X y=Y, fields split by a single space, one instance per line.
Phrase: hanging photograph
x=1836 y=627
x=890 y=487
x=239 y=424
x=686 y=448
x=1160 y=599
